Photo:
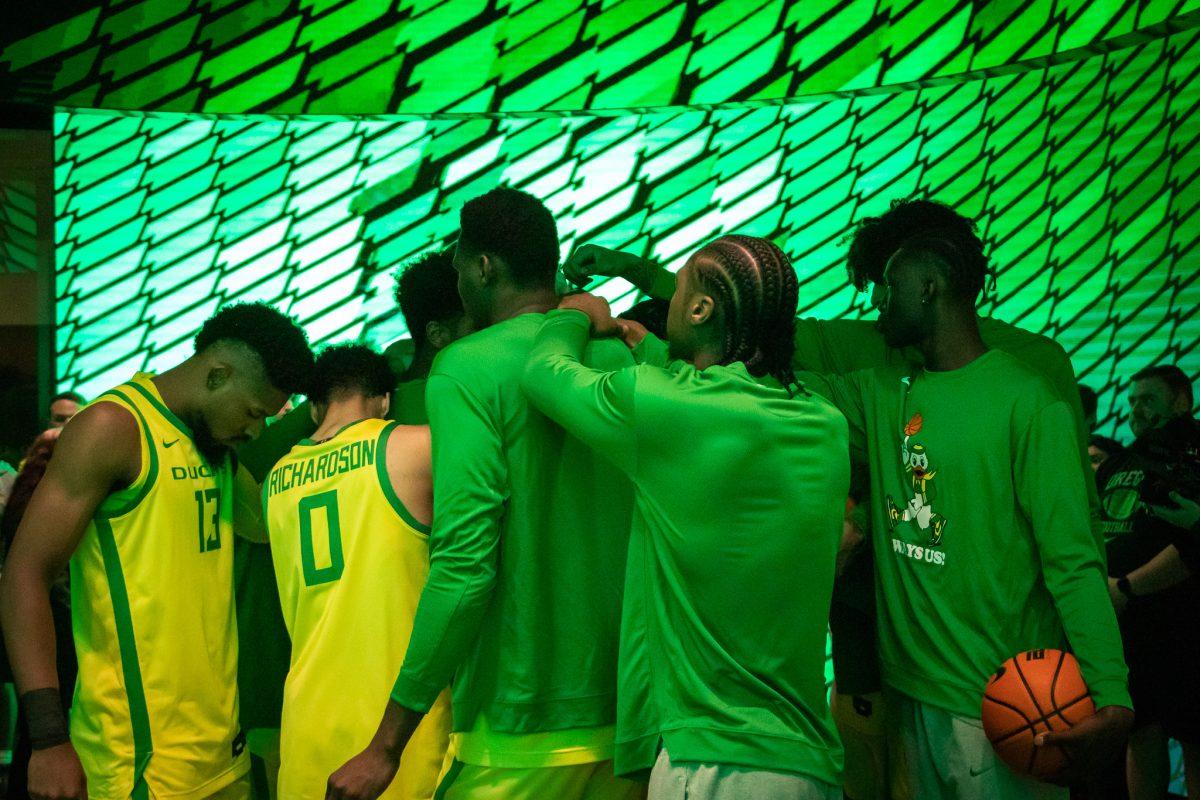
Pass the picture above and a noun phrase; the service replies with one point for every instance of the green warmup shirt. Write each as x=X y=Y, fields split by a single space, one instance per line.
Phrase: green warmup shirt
x=982 y=548
x=521 y=610
x=740 y=490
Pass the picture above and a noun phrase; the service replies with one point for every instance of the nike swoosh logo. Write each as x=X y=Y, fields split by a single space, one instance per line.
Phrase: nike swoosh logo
x=170 y=443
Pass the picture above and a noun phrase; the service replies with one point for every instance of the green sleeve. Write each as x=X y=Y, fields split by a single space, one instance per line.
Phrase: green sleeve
x=594 y=406
x=469 y=476
x=264 y=452
x=655 y=281
x=1072 y=562
x=845 y=392
x=839 y=346
x=651 y=350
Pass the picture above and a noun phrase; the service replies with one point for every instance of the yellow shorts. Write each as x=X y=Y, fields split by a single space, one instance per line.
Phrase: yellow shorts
x=578 y=782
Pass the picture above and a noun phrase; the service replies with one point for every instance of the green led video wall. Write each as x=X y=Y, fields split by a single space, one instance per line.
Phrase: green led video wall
x=1083 y=176
x=423 y=56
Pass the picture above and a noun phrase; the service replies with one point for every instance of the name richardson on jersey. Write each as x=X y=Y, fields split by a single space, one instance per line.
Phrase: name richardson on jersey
x=346 y=458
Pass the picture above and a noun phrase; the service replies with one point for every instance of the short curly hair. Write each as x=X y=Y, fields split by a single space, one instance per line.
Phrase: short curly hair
x=350 y=368
x=276 y=339
x=427 y=291
x=874 y=240
x=518 y=228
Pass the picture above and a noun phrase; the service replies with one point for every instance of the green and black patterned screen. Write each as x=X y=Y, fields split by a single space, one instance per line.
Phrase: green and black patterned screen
x=1070 y=130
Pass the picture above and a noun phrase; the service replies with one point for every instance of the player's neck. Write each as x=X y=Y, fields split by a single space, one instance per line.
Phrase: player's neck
x=176 y=385
x=340 y=414
x=954 y=343
x=515 y=302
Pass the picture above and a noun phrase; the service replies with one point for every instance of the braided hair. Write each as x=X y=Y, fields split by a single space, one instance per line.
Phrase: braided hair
x=756 y=291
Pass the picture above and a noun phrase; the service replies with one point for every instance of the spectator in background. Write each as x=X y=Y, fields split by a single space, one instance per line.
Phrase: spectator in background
x=63 y=406
x=1102 y=448
x=1184 y=514
x=60 y=605
x=1087 y=397
x=1152 y=589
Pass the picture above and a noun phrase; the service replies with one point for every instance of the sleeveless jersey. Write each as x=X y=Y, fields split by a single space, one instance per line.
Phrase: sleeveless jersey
x=350 y=562
x=156 y=706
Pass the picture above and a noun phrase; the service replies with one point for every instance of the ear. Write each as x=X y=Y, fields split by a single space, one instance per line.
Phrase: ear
x=218 y=376
x=700 y=309
x=933 y=284
x=317 y=412
x=387 y=404
x=488 y=269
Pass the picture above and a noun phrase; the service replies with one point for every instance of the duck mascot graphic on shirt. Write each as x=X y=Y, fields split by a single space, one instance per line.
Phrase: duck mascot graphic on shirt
x=919 y=508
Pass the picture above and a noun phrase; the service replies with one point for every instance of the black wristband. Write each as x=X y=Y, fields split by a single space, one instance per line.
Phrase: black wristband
x=1124 y=588
x=46 y=719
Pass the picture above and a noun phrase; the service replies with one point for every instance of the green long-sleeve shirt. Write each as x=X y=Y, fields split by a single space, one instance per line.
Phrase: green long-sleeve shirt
x=527 y=554
x=739 y=496
x=983 y=544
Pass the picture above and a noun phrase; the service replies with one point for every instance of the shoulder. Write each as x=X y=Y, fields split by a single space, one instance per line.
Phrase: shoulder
x=608 y=354
x=104 y=440
x=408 y=447
x=1037 y=350
x=490 y=354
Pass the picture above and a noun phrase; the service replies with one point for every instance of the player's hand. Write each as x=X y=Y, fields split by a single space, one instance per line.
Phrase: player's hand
x=1092 y=744
x=632 y=332
x=56 y=774
x=1119 y=600
x=590 y=260
x=364 y=777
x=1185 y=514
x=597 y=310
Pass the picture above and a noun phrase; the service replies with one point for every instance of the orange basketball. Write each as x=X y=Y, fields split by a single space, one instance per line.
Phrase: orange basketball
x=1031 y=693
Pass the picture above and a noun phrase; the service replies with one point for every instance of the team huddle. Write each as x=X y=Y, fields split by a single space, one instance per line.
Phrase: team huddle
x=564 y=555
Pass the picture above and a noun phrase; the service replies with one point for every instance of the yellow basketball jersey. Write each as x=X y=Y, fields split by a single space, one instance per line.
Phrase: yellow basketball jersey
x=156 y=706
x=350 y=562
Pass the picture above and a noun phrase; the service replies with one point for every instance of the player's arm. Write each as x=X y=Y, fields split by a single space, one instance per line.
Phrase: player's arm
x=469 y=479
x=846 y=394
x=98 y=452
x=248 y=519
x=1073 y=569
x=593 y=405
x=590 y=260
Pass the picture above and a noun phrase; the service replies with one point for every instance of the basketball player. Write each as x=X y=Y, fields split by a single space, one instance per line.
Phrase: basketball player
x=348 y=512
x=722 y=672
x=140 y=495
x=982 y=549
x=427 y=295
x=527 y=556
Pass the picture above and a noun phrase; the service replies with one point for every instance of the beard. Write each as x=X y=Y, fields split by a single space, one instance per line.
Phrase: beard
x=898 y=332
x=213 y=451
